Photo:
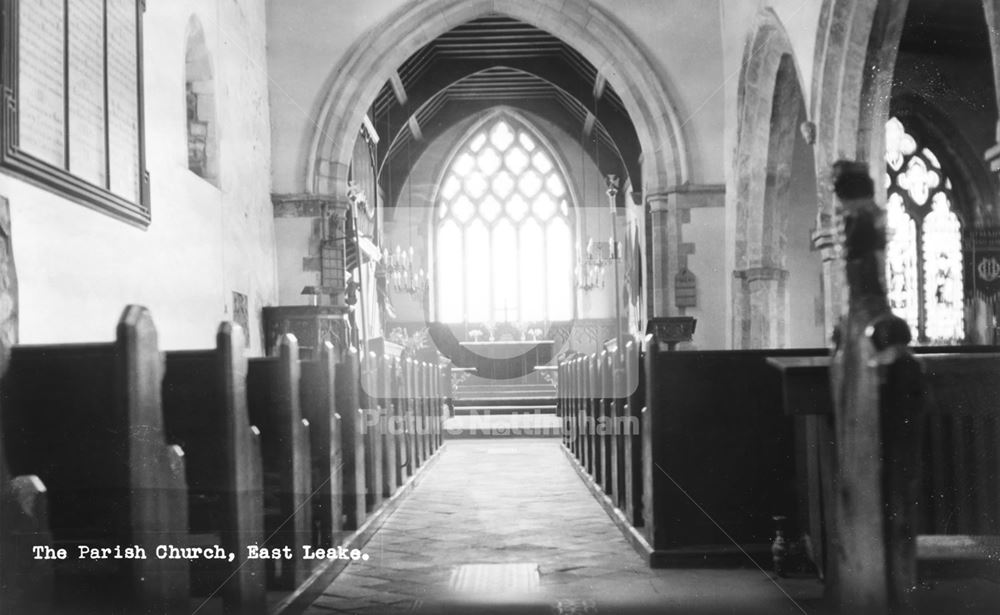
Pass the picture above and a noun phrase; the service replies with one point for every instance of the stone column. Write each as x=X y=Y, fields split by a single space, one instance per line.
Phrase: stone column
x=665 y=234
x=759 y=309
x=826 y=240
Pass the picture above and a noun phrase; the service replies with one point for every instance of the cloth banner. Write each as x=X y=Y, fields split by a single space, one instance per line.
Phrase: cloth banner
x=982 y=264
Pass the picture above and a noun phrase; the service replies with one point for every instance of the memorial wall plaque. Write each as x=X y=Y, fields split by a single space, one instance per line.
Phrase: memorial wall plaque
x=86 y=91
x=41 y=83
x=123 y=99
x=74 y=124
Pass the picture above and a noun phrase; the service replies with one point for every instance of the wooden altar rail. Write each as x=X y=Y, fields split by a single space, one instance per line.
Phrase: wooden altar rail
x=119 y=444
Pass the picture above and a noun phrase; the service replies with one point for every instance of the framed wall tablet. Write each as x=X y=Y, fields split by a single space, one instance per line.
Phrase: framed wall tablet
x=73 y=102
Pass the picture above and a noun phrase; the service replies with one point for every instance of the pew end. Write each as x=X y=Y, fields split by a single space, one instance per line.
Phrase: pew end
x=98 y=444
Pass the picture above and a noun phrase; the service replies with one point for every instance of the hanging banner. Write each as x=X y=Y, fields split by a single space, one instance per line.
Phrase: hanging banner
x=982 y=264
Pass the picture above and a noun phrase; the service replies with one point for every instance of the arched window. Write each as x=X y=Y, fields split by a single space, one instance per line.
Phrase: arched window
x=924 y=252
x=504 y=238
x=199 y=98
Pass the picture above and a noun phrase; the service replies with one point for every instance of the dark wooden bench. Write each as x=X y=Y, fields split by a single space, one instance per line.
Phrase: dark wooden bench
x=88 y=421
x=957 y=512
x=600 y=401
x=318 y=401
x=205 y=412
x=372 y=433
x=388 y=406
x=26 y=583
x=275 y=408
x=718 y=454
x=352 y=441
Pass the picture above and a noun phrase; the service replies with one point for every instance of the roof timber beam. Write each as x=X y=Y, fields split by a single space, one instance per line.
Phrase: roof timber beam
x=397 y=87
x=600 y=83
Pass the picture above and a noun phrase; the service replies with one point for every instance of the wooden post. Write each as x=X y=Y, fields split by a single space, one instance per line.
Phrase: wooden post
x=372 y=432
x=876 y=389
x=352 y=439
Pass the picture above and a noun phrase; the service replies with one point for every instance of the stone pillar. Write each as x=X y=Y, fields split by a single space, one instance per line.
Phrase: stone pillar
x=826 y=240
x=759 y=307
x=663 y=251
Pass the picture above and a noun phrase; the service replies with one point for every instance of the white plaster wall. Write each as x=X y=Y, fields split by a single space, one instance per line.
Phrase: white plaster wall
x=78 y=268
x=714 y=277
x=294 y=238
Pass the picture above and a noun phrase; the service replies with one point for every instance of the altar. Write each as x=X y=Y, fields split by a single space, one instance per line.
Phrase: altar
x=507 y=358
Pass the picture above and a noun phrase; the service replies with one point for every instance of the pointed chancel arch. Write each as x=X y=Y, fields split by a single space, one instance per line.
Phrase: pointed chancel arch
x=502 y=225
x=357 y=78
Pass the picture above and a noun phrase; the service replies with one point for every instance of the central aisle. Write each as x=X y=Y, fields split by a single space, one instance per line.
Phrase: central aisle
x=490 y=513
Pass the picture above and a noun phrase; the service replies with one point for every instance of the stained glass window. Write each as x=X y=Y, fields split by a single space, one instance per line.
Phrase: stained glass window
x=924 y=252
x=504 y=237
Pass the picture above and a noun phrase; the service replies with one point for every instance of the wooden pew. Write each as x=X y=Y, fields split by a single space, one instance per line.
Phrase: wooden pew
x=592 y=400
x=390 y=423
x=621 y=404
x=87 y=420
x=606 y=417
x=882 y=394
x=635 y=395
x=205 y=412
x=274 y=406
x=957 y=513
x=717 y=451
x=26 y=584
x=352 y=441
x=408 y=383
x=318 y=402
x=373 y=450
x=420 y=400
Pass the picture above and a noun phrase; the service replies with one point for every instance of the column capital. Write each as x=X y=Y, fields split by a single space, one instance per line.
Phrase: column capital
x=755 y=274
x=306 y=205
x=825 y=241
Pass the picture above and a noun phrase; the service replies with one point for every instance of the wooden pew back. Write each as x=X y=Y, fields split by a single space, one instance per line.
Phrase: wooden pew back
x=274 y=406
x=87 y=420
x=318 y=402
x=205 y=412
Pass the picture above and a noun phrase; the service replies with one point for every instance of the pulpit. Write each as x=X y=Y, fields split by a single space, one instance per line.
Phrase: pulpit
x=312 y=325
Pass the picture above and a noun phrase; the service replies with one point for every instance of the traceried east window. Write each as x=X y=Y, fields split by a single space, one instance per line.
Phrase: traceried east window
x=924 y=251
x=504 y=237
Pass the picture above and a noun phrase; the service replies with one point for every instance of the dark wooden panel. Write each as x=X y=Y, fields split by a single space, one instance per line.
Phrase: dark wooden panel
x=274 y=406
x=318 y=399
x=205 y=412
x=717 y=448
x=87 y=420
x=352 y=439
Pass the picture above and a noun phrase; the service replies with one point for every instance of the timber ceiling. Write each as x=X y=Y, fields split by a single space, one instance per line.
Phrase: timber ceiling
x=499 y=61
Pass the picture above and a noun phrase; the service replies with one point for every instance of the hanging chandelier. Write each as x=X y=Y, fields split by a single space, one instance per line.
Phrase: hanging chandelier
x=401 y=272
x=592 y=265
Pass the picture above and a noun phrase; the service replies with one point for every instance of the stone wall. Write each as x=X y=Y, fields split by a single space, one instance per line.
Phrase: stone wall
x=78 y=268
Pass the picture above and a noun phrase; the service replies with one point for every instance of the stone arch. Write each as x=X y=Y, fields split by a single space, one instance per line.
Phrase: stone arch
x=199 y=102
x=856 y=50
x=372 y=58
x=770 y=109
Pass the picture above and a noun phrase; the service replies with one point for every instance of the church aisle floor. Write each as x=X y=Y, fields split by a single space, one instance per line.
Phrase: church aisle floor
x=519 y=502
